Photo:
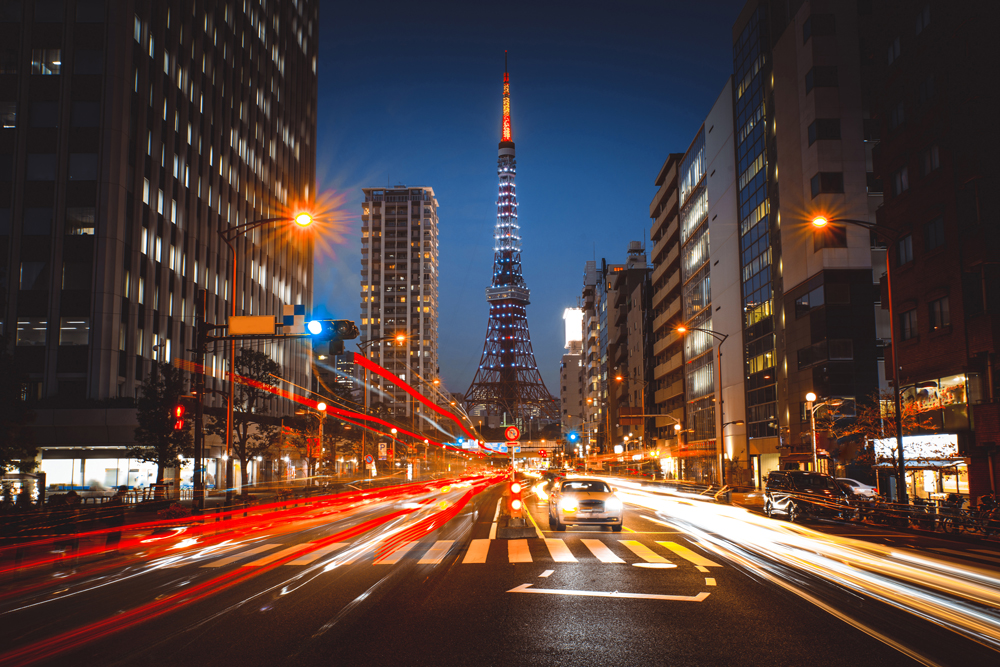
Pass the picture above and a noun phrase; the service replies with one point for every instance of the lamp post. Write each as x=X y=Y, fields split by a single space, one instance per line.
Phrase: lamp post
x=363 y=347
x=812 y=406
x=229 y=234
x=320 y=414
x=721 y=337
x=819 y=222
x=740 y=422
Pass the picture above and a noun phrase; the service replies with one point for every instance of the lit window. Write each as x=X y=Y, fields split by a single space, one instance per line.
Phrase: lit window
x=46 y=61
x=938 y=314
x=74 y=331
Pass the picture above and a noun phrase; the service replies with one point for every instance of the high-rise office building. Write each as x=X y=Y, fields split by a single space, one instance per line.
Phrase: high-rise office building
x=571 y=374
x=399 y=290
x=809 y=323
x=131 y=134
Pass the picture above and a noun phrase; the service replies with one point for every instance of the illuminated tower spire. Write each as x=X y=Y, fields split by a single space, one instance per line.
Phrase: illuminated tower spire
x=508 y=381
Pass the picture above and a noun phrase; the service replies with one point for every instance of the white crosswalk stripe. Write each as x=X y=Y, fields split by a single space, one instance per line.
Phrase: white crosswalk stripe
x=548 y=550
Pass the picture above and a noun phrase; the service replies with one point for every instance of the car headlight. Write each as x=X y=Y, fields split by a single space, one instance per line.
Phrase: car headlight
x=567 y=506
x=613 y=504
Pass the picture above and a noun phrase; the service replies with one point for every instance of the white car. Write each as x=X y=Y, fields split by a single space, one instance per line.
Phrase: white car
x=584 y=501
x=858 y=488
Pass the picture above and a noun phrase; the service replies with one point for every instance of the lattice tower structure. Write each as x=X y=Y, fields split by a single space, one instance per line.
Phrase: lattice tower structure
x=508 y=381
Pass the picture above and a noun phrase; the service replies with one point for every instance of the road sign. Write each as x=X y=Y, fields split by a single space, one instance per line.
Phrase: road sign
x=514 y=445
x=382 y=450
x=512 y=433
x=369 y=459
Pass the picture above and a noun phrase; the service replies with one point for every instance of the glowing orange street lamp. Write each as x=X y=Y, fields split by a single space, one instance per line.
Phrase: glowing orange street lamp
x=303 y=219
x=820 y=221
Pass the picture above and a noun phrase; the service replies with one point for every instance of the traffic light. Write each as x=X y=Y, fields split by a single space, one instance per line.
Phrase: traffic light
x=515 y=503
x=323 y=330
x=179 y=418
x=573 y=437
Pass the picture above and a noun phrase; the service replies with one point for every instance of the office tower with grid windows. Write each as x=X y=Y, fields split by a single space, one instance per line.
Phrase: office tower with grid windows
x=132 y=132
x=399 y=291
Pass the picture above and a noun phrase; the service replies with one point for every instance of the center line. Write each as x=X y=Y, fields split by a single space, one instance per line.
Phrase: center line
x=546 y=573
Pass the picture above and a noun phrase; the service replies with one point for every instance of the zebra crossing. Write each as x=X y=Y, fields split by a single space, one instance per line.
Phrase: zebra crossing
x=652 y=553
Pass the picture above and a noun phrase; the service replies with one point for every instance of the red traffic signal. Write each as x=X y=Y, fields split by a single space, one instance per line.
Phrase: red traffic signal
x=179 y=418
x=515 y=503
x=543 y=453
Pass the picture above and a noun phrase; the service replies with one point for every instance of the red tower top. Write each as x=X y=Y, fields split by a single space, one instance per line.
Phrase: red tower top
x=505 y=135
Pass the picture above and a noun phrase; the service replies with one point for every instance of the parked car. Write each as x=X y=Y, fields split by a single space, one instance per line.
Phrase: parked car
x=854 y=487
x=798 y=494
x=584 y=500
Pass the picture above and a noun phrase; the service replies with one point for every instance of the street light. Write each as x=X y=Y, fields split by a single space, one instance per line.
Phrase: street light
x=229 y=234
x=820 y=222
x=721 y=337
x=812 y=406
x=320 y=414
x=400 y=338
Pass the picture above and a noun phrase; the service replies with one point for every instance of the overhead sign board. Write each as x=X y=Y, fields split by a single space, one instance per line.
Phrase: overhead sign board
x=246 y=325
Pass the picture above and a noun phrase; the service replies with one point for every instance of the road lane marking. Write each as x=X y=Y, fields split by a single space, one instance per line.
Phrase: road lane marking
x=601 y=551
x=986 y=551
x=517 y=551
x=318 y=553
x=643 y=552
x=478 y=550
x=241 y=555
x=559 y=551
x=526 y=588
x=627 y=529
x=709 y=581
x=538 y=531
x=701 y=568
x=270 y=558
x=546 y=573
x=689 y=555
x=967 y=554
x=496 y=515
x=436 y=553
x=393 y=558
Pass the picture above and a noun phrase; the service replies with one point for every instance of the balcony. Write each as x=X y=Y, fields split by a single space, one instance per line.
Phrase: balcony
x=662 y=344
x=667 y=212
x=671 y=364
x=672 y=311
x=664 y=395
x=678 y=418
x=672 y=283
x=667 y=249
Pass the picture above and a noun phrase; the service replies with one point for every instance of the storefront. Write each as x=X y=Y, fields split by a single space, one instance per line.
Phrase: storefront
x=933 y=467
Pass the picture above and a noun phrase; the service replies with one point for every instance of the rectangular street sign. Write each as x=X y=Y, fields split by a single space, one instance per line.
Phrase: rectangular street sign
x=517 y=448
x=244 y=325
x=382 y=451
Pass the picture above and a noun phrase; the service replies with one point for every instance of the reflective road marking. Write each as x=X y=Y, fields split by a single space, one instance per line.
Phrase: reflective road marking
x=601 y=551
x=560 y=552
x=436 y=553
x=526 y=588
x=314 y=555
x=270 y=558
x=518 y=552
x=546 y=573
x=394 y=557
x=478 y=550
x=643 y=552
x=240 y=556
x=687 y=554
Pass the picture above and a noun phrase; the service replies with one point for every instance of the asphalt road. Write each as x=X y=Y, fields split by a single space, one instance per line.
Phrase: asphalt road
x=418 y=581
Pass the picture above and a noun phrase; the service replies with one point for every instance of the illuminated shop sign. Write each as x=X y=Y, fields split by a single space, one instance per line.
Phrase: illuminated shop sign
x=934 y=447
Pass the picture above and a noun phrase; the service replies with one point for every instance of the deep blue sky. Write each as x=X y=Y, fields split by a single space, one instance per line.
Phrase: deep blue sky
x=601 y=92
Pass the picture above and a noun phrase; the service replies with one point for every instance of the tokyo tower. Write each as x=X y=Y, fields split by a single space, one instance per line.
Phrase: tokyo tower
x=508 y=381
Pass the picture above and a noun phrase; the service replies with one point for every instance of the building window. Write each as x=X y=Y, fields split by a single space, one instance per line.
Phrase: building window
x=85 y=114
x=900 y=181
x=818 y=25
x=46 y=61
x=926 y=91
x=44 y=114
x=8 y=61
x=937 y=312
x=827 y=182
x=930 y=160
x=88 y=61
x=74 y=331
x=80 y=221
x=821 y=77
x=31 y=331
x=41 y=167
x=893 y=55
x=90 y=11
x=34 y=275
x=841 y=349
x=934 y=234
x=8 y=114
x=904 y=248
x=830 y=236
x=896 y=116
x=923 y=19
x=824 y=128
x=908 y=325
x=83 y=166
x=37 y=222
x=76 y=276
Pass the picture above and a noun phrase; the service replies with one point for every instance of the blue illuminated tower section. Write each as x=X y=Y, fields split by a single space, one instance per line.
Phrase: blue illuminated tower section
x=508 y=381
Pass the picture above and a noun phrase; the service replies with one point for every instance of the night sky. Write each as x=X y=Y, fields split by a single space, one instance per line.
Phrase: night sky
x=601 y=92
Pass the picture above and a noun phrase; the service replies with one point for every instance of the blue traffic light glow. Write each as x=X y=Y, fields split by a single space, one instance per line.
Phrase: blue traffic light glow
x=314 y=327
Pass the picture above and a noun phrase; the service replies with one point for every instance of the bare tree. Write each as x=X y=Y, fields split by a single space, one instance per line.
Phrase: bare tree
x=253 y=432
x=156 y=438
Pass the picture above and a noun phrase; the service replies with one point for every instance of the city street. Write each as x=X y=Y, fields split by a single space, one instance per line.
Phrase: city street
x=416 y=579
